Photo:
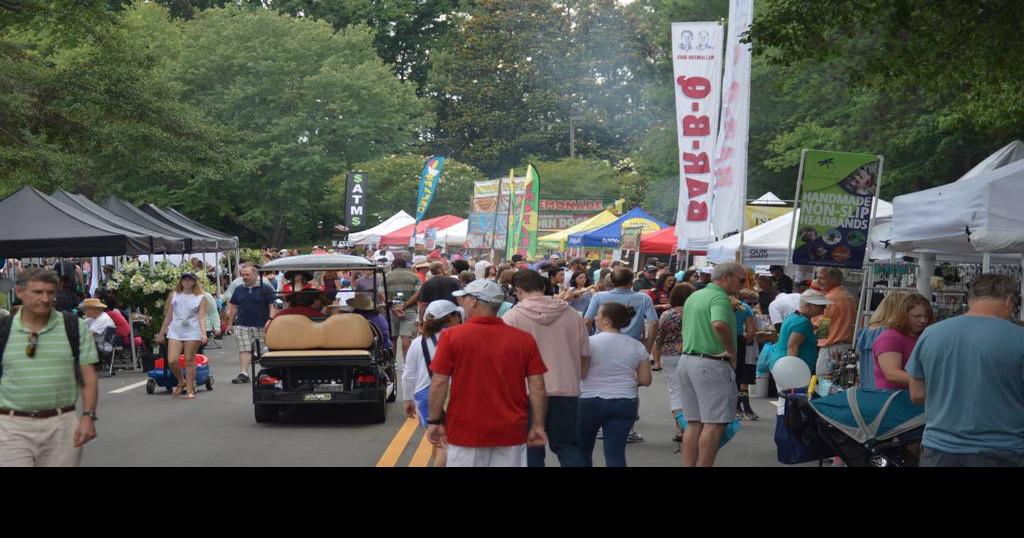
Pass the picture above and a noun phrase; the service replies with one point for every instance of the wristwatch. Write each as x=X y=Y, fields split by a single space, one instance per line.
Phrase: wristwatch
x=90 y=414
x=437 y=422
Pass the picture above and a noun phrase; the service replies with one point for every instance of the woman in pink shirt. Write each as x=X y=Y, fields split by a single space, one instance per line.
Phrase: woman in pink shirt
x=892 y=348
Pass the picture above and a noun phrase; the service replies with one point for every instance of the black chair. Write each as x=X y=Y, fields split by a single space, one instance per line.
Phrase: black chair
x=108 y=346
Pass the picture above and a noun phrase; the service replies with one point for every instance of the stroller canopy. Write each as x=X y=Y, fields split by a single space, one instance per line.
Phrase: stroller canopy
x=870 y=415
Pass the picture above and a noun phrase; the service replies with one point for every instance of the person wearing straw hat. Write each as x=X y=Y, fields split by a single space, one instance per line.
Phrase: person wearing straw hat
x=96 y=317
x=363 y=305
x=184 y=329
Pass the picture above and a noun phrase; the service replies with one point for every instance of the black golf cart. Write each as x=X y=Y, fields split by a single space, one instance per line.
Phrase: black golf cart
x=339 y=359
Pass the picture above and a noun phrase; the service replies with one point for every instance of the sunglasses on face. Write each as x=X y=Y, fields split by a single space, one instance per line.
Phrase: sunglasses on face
x=33 y=342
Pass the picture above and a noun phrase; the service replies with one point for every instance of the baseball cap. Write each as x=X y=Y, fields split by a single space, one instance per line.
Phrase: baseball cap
x=651 y=269
x=441 y=308
x=578 y=260
x=187 y=274
x=485 y=290
x=708 y=270
x=555 y=257
x=516 y=258
x=420 y=261
x=814 y=297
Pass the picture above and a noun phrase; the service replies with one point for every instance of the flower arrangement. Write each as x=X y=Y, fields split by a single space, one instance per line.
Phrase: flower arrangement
x=145 y=286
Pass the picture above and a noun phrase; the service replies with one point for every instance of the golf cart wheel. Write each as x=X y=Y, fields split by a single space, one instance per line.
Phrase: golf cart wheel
x=150 y=386
x=265 y=413
x=390 y=371
x=209 y=383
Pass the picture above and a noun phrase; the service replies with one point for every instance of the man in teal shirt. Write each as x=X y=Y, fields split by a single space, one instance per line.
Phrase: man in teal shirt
x=969 y=373
x=707 y=369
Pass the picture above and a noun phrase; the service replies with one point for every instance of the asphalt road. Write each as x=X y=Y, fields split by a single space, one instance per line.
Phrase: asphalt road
x=218 y=429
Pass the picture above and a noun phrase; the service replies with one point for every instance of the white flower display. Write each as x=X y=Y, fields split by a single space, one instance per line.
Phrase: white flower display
x=160 y=286
x=147 y=288
x=137 y=282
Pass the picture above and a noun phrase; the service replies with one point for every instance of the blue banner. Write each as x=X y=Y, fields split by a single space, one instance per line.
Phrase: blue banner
x=430 y=180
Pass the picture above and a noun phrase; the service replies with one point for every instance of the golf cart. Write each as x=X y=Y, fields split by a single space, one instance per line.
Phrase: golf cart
x=335 y=360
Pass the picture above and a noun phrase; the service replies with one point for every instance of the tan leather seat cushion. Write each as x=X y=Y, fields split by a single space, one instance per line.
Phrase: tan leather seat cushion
x=340 y=331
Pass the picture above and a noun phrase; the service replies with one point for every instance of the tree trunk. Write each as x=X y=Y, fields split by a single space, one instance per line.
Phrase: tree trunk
x=279 y=235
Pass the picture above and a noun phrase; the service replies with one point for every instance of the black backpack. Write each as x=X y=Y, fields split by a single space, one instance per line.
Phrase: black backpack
x=70 y=328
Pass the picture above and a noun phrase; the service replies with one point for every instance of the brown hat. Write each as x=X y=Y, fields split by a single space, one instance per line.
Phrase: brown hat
x=362 y=301
x=92 y=303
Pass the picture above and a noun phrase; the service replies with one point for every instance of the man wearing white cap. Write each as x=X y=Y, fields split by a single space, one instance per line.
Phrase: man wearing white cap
x=489 y=409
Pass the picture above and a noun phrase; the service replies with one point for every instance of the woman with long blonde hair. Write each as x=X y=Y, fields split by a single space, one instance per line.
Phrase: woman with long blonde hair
x=880 y=320
x=184 y=330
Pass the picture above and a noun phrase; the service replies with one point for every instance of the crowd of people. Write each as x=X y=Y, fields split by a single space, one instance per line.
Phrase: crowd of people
x=505 y=361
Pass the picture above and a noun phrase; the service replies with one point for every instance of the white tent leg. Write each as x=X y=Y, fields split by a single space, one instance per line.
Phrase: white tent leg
x=924 y=275
x=986 y=262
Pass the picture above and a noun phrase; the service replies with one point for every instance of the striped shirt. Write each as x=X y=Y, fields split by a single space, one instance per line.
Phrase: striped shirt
x=46 y=381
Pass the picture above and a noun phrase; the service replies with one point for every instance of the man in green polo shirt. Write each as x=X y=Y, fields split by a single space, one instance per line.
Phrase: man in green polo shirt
x=38 y=391
x=707 y=369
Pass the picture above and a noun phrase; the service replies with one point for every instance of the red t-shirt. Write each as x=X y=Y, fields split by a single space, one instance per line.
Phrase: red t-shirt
x=123 y=329
x=488 y=362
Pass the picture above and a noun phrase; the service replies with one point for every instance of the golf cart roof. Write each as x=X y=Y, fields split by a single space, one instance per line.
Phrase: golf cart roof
x=319 y=262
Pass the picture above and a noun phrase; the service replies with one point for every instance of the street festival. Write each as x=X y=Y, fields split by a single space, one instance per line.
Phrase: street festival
x=273 y=234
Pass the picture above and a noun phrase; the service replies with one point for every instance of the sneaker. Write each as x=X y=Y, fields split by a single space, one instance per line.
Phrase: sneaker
x=635 y=437
x=750 y=414
x=242 y=378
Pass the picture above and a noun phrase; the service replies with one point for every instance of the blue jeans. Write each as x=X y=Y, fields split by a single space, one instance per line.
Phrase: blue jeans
x=615 y=418
x=560 y=425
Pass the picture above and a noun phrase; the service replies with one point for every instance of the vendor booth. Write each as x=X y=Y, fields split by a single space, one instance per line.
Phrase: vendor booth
x=400 y=237
x=372 y=236
x=557 y=241
x=162 y=242
x=610 y=235
x=39 y=226
x=767 y=244
x=133 y=214
x=663 y=241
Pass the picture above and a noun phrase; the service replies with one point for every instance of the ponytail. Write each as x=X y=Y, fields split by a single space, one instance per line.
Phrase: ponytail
x=618 y=314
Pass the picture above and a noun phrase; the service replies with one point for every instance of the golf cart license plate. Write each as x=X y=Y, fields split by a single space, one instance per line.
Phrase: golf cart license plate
x=317 y=397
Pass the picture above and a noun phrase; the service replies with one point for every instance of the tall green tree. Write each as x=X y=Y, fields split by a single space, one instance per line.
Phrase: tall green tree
x=305 y=103
x=90 y=115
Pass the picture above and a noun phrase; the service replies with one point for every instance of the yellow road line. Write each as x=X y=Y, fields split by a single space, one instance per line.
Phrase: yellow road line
x=397 y=446
x=423 y=453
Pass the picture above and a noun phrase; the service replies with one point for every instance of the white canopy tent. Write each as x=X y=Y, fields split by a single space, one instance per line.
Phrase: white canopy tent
x=452 y=236
x=372 y=236
x=766 y=244
x=768 y=198
x=978 y=213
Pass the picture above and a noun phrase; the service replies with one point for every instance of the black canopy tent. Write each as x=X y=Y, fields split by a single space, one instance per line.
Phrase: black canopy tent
x=231 y=239
x=162 y=243
x=39 y=226
x=222 y=242
x=129 y=212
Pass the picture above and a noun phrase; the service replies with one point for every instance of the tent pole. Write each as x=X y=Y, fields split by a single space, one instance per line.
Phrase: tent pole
x=796 y=205
x=986 y=262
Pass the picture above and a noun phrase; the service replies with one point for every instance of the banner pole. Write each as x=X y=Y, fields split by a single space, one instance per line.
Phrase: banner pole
x=796 y=205
x=494 y=229
x=867 y=268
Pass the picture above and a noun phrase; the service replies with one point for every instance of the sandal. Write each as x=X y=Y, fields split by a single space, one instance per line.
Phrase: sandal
x=678 y=438
x=177 y=390
x=190 y=396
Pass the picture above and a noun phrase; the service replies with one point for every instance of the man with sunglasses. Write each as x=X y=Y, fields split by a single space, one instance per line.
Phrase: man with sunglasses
x=39 y=387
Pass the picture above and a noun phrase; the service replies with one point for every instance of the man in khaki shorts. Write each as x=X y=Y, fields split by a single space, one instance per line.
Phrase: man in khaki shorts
x=707 y=370
x=402 y=280
x=251 y=305
x=40 y=383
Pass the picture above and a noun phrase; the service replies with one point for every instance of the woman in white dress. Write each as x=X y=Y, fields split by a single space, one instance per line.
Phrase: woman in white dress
x=184 y=330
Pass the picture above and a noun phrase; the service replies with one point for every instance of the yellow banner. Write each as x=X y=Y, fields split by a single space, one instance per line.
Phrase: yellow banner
x=756 y=215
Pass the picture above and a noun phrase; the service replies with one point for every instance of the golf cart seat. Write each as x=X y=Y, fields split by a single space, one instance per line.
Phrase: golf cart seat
x=341 y=335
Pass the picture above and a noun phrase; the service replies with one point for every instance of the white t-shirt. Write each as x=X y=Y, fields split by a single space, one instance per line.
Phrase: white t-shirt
x=100 y=324
x=344 y=295
x=614 y=359
x=783 y=305
x=415 y=376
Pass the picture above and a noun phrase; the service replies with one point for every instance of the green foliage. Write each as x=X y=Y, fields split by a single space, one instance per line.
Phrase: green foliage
x=393 y=183
x=577 y=178
x=305 y=104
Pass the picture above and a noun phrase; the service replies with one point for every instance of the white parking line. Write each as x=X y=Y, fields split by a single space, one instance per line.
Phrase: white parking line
x=128 y=388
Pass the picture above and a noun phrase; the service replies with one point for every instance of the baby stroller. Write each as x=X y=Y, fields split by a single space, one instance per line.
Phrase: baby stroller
x=869 y=428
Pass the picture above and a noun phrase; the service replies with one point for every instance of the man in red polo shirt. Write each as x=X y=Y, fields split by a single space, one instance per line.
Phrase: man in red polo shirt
x=486 y=422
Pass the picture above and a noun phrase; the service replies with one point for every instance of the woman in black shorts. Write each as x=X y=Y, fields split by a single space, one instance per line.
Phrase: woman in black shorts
x=745 y=373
